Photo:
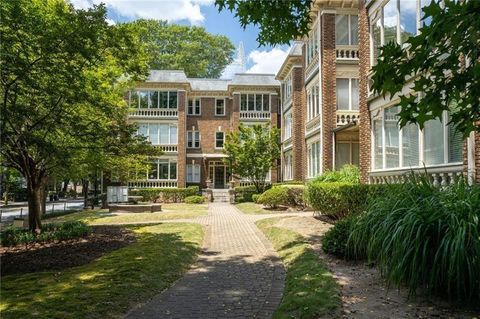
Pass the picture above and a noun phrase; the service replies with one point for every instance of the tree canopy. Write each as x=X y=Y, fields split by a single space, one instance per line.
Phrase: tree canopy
x=63 y=75
x=252 y=152
x=442 y=61
x=280 y=21
x=177 y=47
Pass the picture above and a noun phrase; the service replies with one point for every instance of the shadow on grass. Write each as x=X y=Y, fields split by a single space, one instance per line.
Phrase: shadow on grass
x=110 y=285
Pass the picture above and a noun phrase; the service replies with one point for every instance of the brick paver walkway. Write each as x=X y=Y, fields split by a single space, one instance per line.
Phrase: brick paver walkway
x=238 y=274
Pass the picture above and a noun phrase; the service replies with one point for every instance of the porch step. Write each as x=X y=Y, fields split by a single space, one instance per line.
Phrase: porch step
x=220 y=196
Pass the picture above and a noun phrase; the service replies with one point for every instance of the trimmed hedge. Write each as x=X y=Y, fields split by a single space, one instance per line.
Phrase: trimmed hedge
x=14 y=236
x=295 y=196
x=255 y=197
x=274 y=197
x=337 y=200
x=335 y=240
x=165 y=195
x=348 y=174
x=245 y=193
x=195 y=199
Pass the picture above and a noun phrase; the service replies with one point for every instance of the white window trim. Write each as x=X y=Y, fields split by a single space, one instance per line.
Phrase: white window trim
x=157 y=161
x=149 y=106
x=192 y=135
x=223 y=139
x=350 y=86
x=255 y=102
x=194 y=99
x=349 y=23
x=224 y=107
x=158 y=132
x=193 y=168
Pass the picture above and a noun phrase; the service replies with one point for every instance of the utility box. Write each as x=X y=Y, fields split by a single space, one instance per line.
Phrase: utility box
x=117 y=194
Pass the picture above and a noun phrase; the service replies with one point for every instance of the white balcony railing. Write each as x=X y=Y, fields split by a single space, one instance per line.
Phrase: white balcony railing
x=439 y=176
x=149 y=113
x=346 y=117
x=168 y=148
x=153 y=184
x=347 y=52
x=254 y=115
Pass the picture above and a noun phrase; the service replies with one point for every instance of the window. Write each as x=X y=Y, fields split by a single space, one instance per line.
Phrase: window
x=287 y=88
x=159 y=134
x=346 y=29
x=255 y=102
x=193 y=173
x=163 y=169
x=220 y=107
x=153 y=99
x=194 y=107
x=410 y=145
x=313 y=159
x=346 y=153
x=392 y=146
x=347 y=94
x=288 y=167
x=193 y=139
x=219 y=138
x=313 y=101
x=378 y=142
x=312 y=45
x=288 y=125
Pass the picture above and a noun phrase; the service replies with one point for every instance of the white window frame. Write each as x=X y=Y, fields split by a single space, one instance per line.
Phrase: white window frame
x=216 y=139
x=149 y=102
x=194 y=106
x=158 y=132
x=224 y=107
x=350 y=31
x=191 y=139
x=313 y=159
x=193 y=173
x=255 y=102
x=288 y=127
x=350 y=86
x=169 y=161
x=288 y=167
x=313 y=101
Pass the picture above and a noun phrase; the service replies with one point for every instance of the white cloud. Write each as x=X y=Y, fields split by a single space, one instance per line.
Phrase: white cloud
x=267 y=61
x=170 y=10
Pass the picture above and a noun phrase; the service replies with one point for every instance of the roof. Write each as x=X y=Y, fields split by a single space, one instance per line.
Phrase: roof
x=254 y=79
x=296 y=49
x=209 y=84
x=176 y=76
x=294 y=54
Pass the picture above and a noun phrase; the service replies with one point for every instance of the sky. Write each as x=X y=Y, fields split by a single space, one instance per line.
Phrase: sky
x=264 y=59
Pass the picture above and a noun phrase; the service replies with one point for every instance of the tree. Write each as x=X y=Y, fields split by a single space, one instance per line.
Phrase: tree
x=63 y=74
x=443 y=61
x=280 y=21
x=252 y=152
x=192 y=49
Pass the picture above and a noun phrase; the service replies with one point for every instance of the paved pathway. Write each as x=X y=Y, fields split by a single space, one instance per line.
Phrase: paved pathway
x=238 y=274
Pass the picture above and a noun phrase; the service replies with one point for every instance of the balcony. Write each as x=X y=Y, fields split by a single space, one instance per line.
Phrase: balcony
x=153 y=184
x=345 y=117
x=254 y=115
x=154 y=113
x=347 y=52
x=439 y=175
x=168 y=148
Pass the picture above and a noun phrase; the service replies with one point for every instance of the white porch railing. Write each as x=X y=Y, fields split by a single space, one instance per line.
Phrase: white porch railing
x=167 y=148
x=149 y=113
x=439 y=176
x=346 y=52
x=153 y=184
x=345 y=117
x=254 y=115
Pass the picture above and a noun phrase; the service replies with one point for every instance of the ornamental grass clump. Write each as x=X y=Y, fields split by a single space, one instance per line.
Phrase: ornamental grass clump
x=424 y=237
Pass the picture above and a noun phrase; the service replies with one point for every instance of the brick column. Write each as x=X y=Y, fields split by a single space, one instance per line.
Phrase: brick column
x=299 y=158
x=364 y=67
x=329 y=99
x=181 y=130
x=275 y=101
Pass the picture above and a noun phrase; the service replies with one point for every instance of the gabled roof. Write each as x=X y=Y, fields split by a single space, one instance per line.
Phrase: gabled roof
x=293 y=56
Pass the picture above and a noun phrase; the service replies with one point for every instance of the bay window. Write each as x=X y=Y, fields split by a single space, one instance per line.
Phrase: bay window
x=347 y=94
x=346 y=29
x=159 y=133
x=312 y=44
x=193 y=173
x=152 y=99
x=164 y=169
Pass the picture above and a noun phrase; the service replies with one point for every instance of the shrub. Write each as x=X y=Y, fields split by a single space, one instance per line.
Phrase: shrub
x=334 y=242
x=245 y=193
x=165 y=195
x=289 y=183
x=425 y=237
x=255 y=197
x=339 y=199
x=195 y=199
x=348 y=174
x=295 y=196
x=274 y=197
x=15 y=236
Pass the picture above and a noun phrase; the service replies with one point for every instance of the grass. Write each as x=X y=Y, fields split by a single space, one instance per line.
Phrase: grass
x=252 y=208
x=170 y=211
x=310 y=289
x=112 y=284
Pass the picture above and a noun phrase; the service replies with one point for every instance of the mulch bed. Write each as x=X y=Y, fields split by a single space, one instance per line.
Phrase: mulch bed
x=64 y=254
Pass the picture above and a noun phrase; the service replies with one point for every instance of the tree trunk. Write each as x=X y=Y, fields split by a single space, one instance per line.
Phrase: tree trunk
x=85 y=192
x=44 y=194
x=65 y=185
x=35 y=187
x=75 y=189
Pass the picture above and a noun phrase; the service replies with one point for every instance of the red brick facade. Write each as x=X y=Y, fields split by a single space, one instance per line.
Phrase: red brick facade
x=299 y=161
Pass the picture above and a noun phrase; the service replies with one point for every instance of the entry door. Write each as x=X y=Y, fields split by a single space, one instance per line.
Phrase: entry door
x=219 y=178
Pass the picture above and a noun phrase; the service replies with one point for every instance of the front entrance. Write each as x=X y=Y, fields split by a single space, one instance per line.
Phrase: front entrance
x=218 y=174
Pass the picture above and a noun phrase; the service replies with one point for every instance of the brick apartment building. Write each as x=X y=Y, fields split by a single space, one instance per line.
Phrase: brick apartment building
x=189 y=119
x=319 y=81
x=329 y=116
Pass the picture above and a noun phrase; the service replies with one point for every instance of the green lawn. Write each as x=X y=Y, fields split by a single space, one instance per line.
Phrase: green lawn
x=310 y=289
x=170 y=211
x=252 y=208
x=109 y=286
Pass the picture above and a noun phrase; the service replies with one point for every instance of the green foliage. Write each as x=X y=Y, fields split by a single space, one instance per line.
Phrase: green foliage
x=279 y=21
x=424 y=237
x=289 y=183
x=335 y=240
x=337 y=200
x=190 y=48
x=15 y=236
x=255 y=197
x=295 y=195
x=432 y=58
x=252 y=152
x=194 y=199
x=348 y=174
x=274 y=197
x=165 y=195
